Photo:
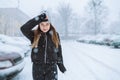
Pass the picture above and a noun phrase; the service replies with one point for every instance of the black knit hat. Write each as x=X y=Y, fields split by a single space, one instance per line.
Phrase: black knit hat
x=42 y=17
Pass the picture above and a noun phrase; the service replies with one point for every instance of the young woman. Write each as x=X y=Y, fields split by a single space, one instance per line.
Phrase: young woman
x=46 y=51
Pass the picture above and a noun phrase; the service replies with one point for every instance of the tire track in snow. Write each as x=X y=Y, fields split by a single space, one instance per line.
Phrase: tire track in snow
x=96 y=60
x=82 y=62
x=86 y=66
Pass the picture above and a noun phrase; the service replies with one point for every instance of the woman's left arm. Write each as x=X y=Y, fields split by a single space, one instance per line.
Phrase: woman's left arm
x=60 y=58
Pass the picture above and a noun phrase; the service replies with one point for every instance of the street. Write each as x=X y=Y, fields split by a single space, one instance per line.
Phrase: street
x=83 y=62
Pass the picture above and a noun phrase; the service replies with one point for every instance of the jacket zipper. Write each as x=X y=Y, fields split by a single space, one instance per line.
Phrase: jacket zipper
x=45 y=48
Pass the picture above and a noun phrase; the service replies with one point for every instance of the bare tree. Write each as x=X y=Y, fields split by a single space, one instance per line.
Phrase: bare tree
x=98 y=12
x=75 y=24
x=114 y=27
x=65 y=13
x=3 y=24
x=0 y=24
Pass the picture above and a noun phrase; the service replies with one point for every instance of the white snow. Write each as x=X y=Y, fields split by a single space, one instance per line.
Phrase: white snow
x=14 y=44
x=9 y=49
x=15 y=41
x=83 y=62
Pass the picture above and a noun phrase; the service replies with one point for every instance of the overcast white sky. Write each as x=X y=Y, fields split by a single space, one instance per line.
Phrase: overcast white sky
x=33 y=7
x=36 y=5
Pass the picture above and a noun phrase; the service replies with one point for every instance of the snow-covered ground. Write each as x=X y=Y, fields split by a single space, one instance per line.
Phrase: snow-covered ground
x=10 y=44
x=83 y=62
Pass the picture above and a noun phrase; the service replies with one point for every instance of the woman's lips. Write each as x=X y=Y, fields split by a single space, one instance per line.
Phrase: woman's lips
x=45 y=29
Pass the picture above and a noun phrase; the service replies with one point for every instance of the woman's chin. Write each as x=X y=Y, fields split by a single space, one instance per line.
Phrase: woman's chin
x=45 y=31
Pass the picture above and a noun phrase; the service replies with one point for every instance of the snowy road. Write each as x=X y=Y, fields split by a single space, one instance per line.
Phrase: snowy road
x=84 y=62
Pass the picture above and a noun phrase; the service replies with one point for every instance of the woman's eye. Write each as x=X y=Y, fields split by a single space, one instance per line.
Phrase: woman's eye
x=47 y=24
x=42 y=25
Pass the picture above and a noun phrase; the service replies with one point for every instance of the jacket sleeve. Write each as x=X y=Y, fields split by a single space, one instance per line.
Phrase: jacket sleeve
x=60 y=58
x=27 y=27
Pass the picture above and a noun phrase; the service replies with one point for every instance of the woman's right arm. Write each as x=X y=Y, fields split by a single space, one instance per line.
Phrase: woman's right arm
x=27 y=27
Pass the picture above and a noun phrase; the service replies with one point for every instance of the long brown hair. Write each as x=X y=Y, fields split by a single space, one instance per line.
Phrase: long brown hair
x=37 y=34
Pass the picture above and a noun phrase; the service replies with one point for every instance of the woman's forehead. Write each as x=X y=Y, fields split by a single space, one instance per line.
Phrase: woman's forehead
x=45 y=22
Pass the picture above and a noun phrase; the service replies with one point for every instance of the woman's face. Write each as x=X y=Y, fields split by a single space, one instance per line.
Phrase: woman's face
x=44 y=26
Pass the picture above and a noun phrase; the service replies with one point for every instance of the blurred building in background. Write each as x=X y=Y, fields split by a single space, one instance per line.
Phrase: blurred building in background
x=10 y=21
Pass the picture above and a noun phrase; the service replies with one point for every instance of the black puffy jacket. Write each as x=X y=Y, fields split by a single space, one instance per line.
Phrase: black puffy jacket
x=47 y=52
